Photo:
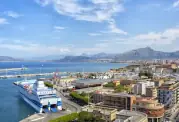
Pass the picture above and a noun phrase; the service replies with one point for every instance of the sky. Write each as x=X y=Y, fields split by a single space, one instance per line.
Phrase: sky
x=32 y=28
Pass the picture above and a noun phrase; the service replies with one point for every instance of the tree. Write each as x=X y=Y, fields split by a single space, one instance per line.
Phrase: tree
x=109 y=84
x=79 y=75
x=48 y=84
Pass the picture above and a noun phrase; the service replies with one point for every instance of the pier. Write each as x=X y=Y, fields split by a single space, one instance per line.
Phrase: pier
x=26 y=75
x=11 y=69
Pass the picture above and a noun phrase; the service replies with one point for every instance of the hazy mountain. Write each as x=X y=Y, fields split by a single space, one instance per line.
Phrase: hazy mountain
x=103 y=56
x=8 y=58
x=49 y=57
x=137 y=54
x=75 y=59
x=146 y=53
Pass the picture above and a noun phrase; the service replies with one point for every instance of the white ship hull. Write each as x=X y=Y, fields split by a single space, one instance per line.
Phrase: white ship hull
x=39 y=97
x=38 y=109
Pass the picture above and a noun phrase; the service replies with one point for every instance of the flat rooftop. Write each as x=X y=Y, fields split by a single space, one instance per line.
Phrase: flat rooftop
x=101 y=109
x=169 y=85
x=134 y=116
x=123 y=94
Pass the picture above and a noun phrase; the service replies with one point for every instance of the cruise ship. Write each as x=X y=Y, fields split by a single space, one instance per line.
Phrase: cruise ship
x=37 y=95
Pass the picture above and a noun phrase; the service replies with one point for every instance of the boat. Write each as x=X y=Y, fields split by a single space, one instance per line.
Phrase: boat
x=43 y=99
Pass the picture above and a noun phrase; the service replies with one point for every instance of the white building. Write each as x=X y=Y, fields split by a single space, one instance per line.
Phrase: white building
x=140 y=87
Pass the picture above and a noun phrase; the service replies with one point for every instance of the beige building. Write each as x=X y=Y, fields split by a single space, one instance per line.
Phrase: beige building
x=106 y=113
x=119 y=100
x=159 y=82
x=131 y=116
x=151 y=92
x=154 y=110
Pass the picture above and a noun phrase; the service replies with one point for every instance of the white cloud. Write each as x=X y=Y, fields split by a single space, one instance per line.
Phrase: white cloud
x=3 y=21
x=94 y=34
x=59 y=27
x=12 y=14
x=176 y=4
x=166 y=37
x=96 y=11
x=113 y=28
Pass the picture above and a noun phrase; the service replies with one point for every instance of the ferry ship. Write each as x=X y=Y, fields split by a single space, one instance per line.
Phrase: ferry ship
x=37 y=95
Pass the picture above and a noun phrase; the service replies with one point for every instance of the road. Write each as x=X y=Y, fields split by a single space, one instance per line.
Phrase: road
x=69 y=105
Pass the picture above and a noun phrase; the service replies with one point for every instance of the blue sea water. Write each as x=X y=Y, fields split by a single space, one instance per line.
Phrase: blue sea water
x=12 y=107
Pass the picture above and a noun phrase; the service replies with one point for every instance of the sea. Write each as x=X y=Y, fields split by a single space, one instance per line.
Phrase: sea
x=12 y=107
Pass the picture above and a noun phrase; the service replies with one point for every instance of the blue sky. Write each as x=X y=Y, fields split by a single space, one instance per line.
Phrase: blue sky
x=31 y=28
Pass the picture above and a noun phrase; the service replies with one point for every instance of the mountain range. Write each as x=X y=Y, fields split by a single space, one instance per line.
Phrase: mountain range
x=137 y=54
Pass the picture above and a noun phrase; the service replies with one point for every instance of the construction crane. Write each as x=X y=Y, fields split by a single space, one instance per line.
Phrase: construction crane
x=56 y=77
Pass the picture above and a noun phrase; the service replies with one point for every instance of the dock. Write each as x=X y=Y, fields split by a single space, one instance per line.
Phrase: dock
x=25 y=75
x=34 y=118
x=11 y=69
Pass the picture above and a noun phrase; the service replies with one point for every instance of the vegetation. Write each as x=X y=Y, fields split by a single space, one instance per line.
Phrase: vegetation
x=147 y=74
x=48 y=84
x=121 y=88
x=88 y=117
x=92 y=75
x=174 y=70
x=66 y=118
x=78 y=117
x=110 y=84
x=79 y=75
x=118 y=88
x=82 y=98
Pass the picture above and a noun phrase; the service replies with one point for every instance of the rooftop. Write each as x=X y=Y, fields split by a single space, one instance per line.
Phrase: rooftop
x=148 y=102
x=101 y=109
x=169 y=85
x=123 y=94
x=134 y=116
x=92 y=81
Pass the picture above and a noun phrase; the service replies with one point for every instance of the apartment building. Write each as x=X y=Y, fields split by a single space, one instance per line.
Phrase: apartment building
x=140 y=87
x=168 y=94
x=151 y=92
x=154 y=110
x=119 y=100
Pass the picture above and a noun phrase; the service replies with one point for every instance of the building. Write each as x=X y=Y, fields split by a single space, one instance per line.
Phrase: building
x=84 y=83
x=106 y=113
x=116 y=82
x=140 y=87
x=159 y=82
x=64 y=81
x=119 y=100
x=131 y=116
x=168 y=94
x=97 y=97
x=151 y=91
x=154 y=110
x=126 y=82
